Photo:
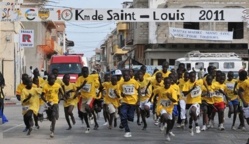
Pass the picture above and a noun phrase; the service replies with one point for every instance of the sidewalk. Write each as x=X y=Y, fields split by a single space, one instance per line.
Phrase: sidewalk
x=11 y=101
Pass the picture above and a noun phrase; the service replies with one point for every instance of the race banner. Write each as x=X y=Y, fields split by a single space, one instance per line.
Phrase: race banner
x=125 y=15
x=200 y=34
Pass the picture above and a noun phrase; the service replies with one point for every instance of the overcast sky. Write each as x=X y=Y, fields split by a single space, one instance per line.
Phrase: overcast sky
x=89 y=35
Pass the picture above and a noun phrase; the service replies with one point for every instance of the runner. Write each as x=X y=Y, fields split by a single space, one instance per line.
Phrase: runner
x=50 y=95
x=70 y=100
x=30 y=104
x=130 y=91
x=166 y=98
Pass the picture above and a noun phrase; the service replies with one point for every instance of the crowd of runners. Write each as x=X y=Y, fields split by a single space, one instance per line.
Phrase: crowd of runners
x=171 y=98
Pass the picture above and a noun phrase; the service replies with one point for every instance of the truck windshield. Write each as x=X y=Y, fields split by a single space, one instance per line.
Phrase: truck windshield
x=67 y=68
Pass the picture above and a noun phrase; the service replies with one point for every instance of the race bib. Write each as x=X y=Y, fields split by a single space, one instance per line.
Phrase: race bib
x=230 y=86
x=25 y=108
x=218 y=94
x=86 y=88
x=112 y=93
x=166 y=103
x=128 y=89
x=196 y=92
x=143 y=93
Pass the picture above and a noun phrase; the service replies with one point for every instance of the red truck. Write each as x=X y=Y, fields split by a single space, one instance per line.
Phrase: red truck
x=67 y=64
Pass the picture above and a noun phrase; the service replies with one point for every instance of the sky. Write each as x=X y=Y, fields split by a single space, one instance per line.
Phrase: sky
x=88 y=35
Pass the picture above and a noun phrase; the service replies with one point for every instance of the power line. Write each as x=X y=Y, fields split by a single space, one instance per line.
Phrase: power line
x=82 y=32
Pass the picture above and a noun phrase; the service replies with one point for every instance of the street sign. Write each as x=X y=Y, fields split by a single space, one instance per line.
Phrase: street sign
x=127 y=15
x=26 y=38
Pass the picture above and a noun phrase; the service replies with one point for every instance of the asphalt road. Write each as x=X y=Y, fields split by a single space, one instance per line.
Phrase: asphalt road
x=11 y=133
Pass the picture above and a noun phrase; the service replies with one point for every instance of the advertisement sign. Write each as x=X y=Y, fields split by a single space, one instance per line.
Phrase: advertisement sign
x=26 y=38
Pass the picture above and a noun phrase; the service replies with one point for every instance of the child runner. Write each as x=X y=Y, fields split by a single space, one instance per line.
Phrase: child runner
x=107 y=79
x=166 y=98
x=130 y=91
x=233 y=97
x=70 y=99
x=112 y=99
x=87 y=84
x=192 y=90
x=30 y=104
x=145 y=95
x=50 y=95
x=207 y=100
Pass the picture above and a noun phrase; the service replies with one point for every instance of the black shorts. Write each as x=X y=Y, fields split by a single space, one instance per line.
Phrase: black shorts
x=207 y=107
x=53 y=112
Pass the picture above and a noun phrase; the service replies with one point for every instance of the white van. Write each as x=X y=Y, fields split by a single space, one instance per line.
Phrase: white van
x=222 y=61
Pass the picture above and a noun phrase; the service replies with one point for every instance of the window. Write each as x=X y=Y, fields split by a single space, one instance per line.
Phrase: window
x=215 y=64
x=161 y=61
x=237 y=28
x=229 y=65
x=199 y=65
x=171 y=61
x=188 y=65
x=64 y=68
x=191 y=25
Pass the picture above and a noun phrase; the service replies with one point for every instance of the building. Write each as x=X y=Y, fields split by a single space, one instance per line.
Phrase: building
x=151 y=43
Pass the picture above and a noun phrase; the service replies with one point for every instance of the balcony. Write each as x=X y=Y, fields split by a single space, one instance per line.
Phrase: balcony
x=48 y=48
x=118 y=51
x=121 y=26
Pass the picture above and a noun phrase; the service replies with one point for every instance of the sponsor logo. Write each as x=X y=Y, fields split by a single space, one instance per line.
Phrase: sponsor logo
x=30 y=14
x=44 y=14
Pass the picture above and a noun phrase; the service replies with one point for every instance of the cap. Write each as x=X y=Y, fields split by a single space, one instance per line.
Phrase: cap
x=118 y=72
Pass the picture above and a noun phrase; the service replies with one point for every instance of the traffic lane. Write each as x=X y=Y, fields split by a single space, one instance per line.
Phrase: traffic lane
x=13 y=133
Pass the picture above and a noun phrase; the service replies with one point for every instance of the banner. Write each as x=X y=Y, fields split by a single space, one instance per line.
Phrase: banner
x=126 y=15
x=200 y=34
x=26 y=38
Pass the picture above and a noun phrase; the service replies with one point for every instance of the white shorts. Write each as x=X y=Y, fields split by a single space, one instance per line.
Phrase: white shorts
x=198 y=109
x=144 y=103
x=42 y=108
x=112 y=109
x=86 y=102
x=163 y=111
x=246 y=112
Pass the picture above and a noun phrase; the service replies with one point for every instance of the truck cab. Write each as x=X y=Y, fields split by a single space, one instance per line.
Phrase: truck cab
x=67 y=64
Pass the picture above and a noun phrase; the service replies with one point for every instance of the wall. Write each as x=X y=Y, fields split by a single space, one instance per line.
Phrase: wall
x=11 y=56
x=39 y=39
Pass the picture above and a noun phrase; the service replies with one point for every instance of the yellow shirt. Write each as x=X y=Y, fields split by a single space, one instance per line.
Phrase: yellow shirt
x=110 y=96
x=71 y=100
x=163 y=101
x=51 y=92
x=163 y=74
x=205 y=96
x=21 y=86
x=245 y=86
x=219 y=97
x=89 y=89
x=230 y=89
x=155 y=84
x=143 y=86
x=33 y=103
x=195 y=95
x=129 y=89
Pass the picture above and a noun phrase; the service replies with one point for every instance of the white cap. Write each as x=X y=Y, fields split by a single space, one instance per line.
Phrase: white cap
x=118 y=72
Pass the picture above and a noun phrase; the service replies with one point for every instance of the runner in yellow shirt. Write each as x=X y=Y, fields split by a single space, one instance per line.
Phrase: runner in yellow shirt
x=207 y=101
x=112 y=98
x=50 y=95
x=219 y=99
x=143 y=68
x=145 y=95
x=244 y=93
x=87 y=85
x=182 y=102
x=130 y=92
x=167 y=96
x=156 y=83
x=165 y=72
x=70 y=99
x=192 y=91
x=30 y=104
x=233 y=97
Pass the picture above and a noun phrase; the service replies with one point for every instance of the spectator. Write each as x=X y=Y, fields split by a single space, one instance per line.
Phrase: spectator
x=2 y=84
x=200 y=73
